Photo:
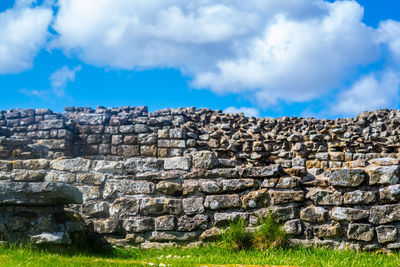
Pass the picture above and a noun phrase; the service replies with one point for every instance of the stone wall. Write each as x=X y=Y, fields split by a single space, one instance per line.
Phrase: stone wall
x=118 y=133
x=179 y=175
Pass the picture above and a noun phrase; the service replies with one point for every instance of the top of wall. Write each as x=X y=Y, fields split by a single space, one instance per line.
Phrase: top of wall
x=133 y=131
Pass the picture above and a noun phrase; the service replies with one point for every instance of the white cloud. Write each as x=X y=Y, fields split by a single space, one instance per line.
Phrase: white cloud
x=373 y=91
x=265 y=50
x=61 y=77
x=296 y=60
x=389 y=33
x=23 y=32
x=249 y=112
x=59 y=80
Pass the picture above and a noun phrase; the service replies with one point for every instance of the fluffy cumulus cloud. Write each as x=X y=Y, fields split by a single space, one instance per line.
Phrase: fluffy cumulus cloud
x=371 y=92
x=268 y=51
x=23 y=32
x=249 y=112
x=293 y=51
x=389 y=33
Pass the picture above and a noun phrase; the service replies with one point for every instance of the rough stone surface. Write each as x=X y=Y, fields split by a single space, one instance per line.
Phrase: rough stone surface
x=359 y=197
x=347 y=177
x=362 y=232
x=383 y=175
x=386 y=233
x=390 y=193
x=325 y=197
x=314 y=214
x=204 y=160
x=222 y=202
x=349 y=214
x=384 y=214
x=255 y=199
x=38 y=194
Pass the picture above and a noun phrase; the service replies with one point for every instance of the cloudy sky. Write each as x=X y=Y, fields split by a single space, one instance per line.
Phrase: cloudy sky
x=261 y=57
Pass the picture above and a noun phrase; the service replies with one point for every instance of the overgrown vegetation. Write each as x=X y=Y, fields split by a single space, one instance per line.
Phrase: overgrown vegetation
x=267 y=234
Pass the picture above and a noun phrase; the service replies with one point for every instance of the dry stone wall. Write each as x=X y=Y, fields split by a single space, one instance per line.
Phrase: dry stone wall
x=180 y=175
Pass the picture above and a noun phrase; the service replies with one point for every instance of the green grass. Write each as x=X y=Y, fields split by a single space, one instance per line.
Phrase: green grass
x=28 y=256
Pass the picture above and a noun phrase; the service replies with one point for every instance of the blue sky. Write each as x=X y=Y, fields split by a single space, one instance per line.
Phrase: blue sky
x=266 y=58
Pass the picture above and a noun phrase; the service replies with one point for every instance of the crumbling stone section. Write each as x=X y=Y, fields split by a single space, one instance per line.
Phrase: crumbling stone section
x=178 y=176
x=118 y=133
x=34 y=212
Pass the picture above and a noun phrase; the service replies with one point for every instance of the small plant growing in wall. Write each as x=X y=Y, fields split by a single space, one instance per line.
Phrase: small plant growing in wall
x=237 y=236
x=268 y=233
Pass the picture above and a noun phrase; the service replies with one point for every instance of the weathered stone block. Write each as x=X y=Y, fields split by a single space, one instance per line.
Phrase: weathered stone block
x=314 y=214
x=280 y=213
x=92 y=118
x=128 y=150
x=328 y=230
x=28 y=175
x=386 y=233
x=288 y=182
x=38 y=194
x=58 y=238
x=347 y=177
x=269 y=182
x=384 y=214
x=96 y=209
x=51 y=124
x=193 y=205
x=164 y=223
x=325 y=197
x=361 y=232
x=282 y=197
x=255 y=199
x=160 y=206
x=349 y=214
x=233 y=185
x=169 y=188
x=293 y=227
x=58 y=176
x=390 y=193
x=130 y=187
x=187 y=223
x=204 y=160
x=296 y=171
x=30 y=164
x=138 y=224
x=90 y=192
x=384 y=161
x=274 y=170
x=383 y=175
x=112 y=167
x=222 y=202
x=148 y=151
x=210 y=186
x=177 y=163
x=124 y=207
x=359 y=197
x=71 y=165
x=135 y=165
x=189 y=187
